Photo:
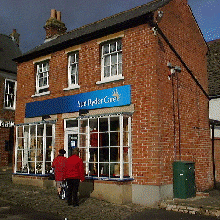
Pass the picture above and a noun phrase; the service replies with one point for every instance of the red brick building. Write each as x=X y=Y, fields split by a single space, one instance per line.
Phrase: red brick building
x=9 y=49
x=129 y=91
x=214 y=105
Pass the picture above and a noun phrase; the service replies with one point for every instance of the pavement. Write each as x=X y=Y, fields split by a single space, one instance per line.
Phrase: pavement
x=29 y=202
x=207 y=204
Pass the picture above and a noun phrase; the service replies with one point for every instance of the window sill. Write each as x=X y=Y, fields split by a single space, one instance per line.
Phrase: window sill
x=72 y=87
x=31 y=174
x=110 y=79
x=9 y=108
x=109 y=179
x=41 y=94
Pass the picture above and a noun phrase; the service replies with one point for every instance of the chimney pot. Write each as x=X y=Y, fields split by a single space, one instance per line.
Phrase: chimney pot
x=15 y=36
x=53 y=13
x=58 y=15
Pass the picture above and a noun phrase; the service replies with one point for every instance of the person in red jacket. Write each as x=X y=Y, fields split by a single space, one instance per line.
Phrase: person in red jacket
x=58 y=165
x=73 y=174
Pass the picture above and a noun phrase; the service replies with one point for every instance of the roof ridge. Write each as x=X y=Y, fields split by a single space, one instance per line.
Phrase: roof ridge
x=114 y=15
x=5 y=35
x=213 y=41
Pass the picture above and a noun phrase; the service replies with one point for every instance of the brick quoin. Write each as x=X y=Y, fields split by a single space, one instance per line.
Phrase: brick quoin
x=145 y=57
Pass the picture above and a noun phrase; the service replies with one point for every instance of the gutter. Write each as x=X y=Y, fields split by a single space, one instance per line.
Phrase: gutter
x=214 y=97
x=8 y=71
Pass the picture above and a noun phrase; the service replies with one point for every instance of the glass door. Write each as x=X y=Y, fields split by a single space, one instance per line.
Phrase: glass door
x=71 y=141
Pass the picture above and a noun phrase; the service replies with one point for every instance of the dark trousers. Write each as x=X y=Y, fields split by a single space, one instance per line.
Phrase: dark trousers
x=72 y=189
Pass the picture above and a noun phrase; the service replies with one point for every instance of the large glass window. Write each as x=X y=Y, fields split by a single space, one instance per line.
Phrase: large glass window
x=10 y=94
x=105 y=145
x=112 y=60
x=42 y=77
x=34 y=151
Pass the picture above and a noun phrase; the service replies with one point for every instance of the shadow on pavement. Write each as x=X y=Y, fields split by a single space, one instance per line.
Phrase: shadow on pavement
x=12 y=211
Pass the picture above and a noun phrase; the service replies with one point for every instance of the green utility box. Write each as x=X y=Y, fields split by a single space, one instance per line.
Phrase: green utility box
x=184 y=179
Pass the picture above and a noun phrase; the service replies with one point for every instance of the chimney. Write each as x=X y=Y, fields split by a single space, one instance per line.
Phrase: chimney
x=15 y=36
x=54 y=26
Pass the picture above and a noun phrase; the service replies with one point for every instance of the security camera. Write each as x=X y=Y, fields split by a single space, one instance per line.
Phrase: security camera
x=177 y=68
x=160 y=14
x=169 y=65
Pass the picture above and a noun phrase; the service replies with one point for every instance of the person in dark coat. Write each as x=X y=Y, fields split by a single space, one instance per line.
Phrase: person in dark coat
x=73 y=174
x=58 y=165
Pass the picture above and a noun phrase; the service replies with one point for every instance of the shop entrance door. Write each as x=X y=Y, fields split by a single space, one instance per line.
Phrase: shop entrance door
x=71 y=141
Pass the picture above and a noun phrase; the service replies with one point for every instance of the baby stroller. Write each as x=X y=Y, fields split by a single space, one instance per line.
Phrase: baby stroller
x=63 y=192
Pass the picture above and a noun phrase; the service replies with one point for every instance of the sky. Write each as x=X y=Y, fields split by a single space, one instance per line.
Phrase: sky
x=28 y=17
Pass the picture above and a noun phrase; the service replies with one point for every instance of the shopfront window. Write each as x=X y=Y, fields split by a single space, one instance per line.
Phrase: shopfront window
x=34 y=150
x=105 y=145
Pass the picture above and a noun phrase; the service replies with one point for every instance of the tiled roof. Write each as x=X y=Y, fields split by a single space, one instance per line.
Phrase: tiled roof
x=105 y=26
x=8 y=51
x=214 y=68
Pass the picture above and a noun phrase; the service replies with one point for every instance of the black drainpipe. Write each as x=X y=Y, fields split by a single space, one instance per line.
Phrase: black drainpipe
x=156 y=28
x=213 y=153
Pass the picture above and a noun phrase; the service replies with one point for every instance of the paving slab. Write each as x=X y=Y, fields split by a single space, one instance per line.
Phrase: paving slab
x=24 y=202
x=204 y=203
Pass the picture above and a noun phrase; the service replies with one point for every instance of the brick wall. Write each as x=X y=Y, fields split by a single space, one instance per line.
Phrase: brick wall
x=217 y=159
x=5 y=115
x=145 y=58
x=181 y=30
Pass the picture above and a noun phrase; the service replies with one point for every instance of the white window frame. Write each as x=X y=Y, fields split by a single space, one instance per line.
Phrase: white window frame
x=26 y=148
x=71 y=64
x=118 y=63
x=7 y=94
x=86 y=149
x=45 y=75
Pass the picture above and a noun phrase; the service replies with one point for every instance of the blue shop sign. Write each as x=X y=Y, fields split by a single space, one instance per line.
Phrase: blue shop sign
x=117 y=96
